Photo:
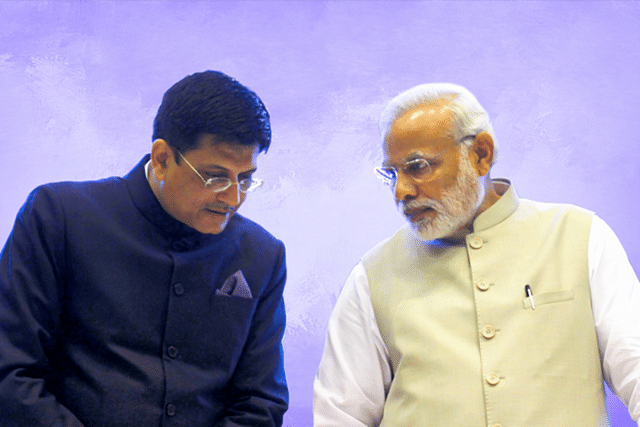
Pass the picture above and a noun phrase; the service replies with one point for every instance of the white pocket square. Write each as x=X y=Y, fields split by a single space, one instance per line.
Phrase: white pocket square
x=235 y=286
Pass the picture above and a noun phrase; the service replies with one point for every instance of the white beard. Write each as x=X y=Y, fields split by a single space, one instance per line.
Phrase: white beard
x=457 y=208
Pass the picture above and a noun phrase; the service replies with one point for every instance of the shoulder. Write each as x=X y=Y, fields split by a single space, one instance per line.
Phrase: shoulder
x=532 y=208
x=250 y=233
x=386 y=249
x=52 y=200
x=565 y=221
x=70 y=190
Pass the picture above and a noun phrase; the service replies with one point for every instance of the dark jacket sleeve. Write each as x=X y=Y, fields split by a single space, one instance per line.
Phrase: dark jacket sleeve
x=31 y=276
x=257 y=394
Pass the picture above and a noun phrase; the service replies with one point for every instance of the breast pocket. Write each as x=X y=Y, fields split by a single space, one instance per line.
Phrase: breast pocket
x=548 y=298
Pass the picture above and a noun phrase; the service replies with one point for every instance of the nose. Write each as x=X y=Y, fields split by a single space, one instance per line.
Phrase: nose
x=405 y=189
x=232 y=196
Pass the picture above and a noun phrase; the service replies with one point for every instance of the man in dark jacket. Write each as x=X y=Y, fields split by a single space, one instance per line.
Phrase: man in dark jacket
x=145 y=300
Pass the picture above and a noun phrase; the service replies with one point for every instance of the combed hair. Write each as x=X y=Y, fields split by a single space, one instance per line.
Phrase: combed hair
x=468 y=115
x=211 y=102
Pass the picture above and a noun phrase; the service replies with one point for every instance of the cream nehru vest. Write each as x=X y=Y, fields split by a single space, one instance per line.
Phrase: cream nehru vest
x=466 y=347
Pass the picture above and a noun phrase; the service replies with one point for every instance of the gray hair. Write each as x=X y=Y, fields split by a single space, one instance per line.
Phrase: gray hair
x=468 y=115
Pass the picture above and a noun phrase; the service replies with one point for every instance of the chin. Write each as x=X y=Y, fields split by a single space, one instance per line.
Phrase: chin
x=214 y=230
x=210 y=228
x=437 y=228
x=211 y=224
x=426 y=235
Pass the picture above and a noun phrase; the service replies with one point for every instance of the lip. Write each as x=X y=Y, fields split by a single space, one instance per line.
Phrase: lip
x=222 y=213
x=419 y=213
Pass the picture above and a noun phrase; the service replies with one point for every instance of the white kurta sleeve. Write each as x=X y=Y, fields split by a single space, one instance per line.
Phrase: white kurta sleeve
x=615 y=295
x=354 y=374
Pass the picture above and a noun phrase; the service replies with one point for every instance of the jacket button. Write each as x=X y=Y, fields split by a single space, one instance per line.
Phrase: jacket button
x=476 y=242
x=172 y=352
x=488 y=331
x=482 y=284
x=492 y=378
x=178 y=289
x=495 y=425
x=170 y=409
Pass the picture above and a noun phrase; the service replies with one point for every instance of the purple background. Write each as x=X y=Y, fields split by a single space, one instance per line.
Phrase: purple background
x=80 y=83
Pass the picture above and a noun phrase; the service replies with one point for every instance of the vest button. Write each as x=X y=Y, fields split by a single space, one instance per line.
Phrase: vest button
x=482 y=284
x=488 y=331
x=492 y=378
x=476 y=242
x=495 y=425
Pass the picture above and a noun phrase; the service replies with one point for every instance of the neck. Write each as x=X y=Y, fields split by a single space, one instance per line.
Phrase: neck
x=491 y=196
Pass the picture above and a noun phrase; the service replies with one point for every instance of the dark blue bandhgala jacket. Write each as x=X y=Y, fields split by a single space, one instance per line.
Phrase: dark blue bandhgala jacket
x=109 y=314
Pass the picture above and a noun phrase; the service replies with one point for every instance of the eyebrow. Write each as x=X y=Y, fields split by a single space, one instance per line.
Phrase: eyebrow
x=413 y=156
x=218 y=168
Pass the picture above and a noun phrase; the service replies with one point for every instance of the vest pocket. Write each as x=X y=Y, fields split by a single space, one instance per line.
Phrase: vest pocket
x=548 y=298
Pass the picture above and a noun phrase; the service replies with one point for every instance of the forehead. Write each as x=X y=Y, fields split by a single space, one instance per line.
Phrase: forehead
x=425 y=129
x=212 y=151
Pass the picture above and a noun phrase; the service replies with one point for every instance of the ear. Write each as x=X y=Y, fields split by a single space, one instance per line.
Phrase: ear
x=161 y=157
x=481 y=153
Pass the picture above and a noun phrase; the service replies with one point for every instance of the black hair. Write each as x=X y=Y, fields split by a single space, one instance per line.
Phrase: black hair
x=211 y=102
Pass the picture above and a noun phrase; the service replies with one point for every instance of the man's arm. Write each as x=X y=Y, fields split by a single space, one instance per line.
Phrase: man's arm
x=258 y=394
x=355 y=374
x=615 y=295
x=30 y=276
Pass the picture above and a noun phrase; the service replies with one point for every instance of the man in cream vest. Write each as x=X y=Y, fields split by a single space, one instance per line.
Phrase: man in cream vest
x=485 y=309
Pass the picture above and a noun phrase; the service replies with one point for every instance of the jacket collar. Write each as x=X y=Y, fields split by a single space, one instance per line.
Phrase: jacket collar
x=500 y=210
x=183 y=236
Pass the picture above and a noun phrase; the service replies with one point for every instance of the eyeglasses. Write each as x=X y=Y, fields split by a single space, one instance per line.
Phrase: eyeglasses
x=221 y=183
x=419 y=169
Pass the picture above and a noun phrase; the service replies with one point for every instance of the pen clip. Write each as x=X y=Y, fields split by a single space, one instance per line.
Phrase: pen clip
x=529 y=294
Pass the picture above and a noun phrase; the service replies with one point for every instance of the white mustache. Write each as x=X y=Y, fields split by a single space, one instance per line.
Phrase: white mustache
x=406 y=207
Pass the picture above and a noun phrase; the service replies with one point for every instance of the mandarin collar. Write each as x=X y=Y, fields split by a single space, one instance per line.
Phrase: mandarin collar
x=502 y=209
x=182 y=236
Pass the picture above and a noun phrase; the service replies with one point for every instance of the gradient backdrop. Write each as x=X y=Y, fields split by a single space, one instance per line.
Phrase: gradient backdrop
x=80 y=83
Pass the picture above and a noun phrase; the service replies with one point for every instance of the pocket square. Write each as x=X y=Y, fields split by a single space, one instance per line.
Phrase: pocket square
x=235 y=286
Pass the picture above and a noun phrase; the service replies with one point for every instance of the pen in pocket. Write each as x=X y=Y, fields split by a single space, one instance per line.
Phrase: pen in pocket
x=529 y=294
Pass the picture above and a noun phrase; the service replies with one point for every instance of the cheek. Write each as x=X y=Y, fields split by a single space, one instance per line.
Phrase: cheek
x=181 y=198
x=433 y=188
x=447 y=178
